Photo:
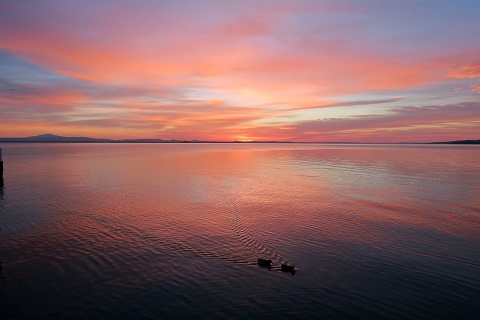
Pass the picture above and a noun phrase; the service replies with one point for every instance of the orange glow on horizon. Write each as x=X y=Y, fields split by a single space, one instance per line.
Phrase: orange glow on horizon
x=281 y=72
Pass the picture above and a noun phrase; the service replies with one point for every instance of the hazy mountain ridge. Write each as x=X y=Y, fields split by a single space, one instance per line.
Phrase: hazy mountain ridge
x=48 y=137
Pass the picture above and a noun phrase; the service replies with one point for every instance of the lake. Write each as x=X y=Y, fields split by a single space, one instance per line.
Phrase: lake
x=173 y=231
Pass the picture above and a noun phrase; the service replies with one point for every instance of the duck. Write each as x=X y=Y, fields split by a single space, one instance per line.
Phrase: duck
x=264 y=262
x=288 y=268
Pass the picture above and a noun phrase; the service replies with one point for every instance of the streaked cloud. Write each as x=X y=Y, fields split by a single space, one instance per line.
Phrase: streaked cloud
x=224 y=70
x=415 y=124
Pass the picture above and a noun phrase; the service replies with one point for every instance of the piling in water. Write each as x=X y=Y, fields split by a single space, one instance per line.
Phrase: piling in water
x=1 y=178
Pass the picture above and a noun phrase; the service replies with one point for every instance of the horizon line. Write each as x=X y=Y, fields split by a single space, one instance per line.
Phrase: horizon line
x=52 y=138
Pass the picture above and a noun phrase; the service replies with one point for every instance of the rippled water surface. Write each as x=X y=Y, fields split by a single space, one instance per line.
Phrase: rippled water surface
x=173 y=231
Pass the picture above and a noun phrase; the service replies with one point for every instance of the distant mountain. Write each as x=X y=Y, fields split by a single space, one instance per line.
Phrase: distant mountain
x=48 y=137
x=460 y=142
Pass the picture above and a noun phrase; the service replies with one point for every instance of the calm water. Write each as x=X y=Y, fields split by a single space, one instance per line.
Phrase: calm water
x=173 y=231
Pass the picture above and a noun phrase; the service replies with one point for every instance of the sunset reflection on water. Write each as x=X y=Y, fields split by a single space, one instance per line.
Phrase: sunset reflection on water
x=175 y=230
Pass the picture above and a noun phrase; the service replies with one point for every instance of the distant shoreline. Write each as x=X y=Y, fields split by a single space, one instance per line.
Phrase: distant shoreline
x=50 y=138
x=468 y=142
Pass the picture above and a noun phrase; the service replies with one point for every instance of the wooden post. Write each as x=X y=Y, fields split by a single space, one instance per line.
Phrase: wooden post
x=1 y=177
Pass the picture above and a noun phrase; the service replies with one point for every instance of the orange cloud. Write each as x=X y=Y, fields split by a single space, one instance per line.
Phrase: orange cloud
x=160 y=69
x=221 y=54
x=465 y=72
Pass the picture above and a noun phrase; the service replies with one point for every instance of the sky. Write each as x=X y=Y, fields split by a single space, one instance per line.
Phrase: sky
x=300 y=70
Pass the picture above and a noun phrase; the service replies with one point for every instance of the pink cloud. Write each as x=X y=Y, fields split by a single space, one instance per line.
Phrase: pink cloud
x=465 y=72
x=475 y=87
x=215 y=70
x=254 y=51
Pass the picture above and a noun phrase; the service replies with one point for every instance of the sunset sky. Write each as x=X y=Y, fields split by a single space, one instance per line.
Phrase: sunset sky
x=338 y=70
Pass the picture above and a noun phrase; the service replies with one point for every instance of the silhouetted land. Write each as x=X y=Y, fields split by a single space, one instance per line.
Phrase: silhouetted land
x=54 y=138
x=460 y=142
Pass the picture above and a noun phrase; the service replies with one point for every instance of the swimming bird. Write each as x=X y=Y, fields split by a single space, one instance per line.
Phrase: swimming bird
x=264 y=262
x=288 y=268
